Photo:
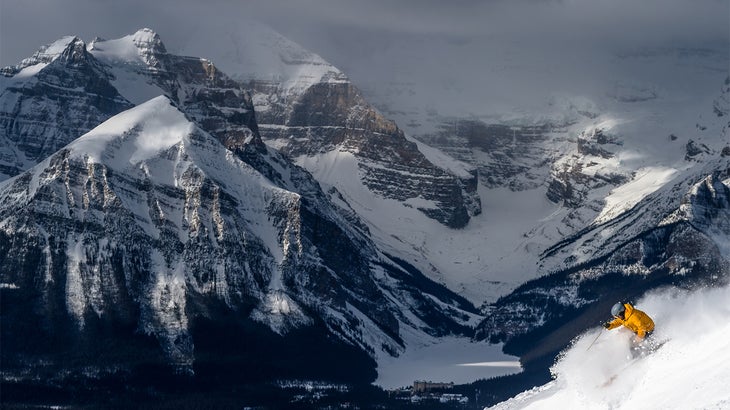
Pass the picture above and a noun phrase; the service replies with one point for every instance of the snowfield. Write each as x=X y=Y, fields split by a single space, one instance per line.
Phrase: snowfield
x=690 y=371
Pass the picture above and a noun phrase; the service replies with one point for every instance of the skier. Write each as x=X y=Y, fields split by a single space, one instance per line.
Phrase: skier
x=632 y=318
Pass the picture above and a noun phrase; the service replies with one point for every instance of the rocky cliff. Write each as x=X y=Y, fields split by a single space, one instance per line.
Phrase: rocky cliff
x=50 y=99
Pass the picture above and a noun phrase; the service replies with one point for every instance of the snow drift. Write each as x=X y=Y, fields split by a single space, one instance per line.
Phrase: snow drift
x=690 y=371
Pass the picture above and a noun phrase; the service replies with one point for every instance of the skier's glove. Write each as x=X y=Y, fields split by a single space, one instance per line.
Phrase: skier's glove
x=607 y=325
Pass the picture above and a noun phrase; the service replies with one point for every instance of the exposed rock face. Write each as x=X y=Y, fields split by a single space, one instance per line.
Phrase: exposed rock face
x=150 y=239
x=50 y=99
x=216 y=102
x=571 y=177
x=721 y=106
x=505 y=156
x=529 y=157
x=332 y=115
x=593 y=144
x=695 y=149
x=707 y=205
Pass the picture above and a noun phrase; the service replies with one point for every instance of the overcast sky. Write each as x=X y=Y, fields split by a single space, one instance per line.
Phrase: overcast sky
x=320 y=24
x=386 y=40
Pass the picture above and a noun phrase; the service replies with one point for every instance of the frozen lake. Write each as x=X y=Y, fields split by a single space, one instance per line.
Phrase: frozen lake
x=449 y=360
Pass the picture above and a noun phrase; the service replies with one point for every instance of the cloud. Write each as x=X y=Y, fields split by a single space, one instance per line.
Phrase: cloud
x=615 y=20
x=26 y=24
x=438 y=44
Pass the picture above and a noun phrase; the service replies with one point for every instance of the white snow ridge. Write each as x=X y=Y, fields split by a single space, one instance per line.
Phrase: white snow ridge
x=690 y=371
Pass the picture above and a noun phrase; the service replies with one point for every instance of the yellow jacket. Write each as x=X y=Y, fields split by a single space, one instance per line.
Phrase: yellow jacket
x=635 y=320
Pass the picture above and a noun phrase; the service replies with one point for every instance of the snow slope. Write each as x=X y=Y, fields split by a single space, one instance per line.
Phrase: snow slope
x=459 y=259
x=127 y=58
x=690 y=371
x=161 y=126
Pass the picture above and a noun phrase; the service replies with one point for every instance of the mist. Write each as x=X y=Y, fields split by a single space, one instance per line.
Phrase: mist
x=417 y=54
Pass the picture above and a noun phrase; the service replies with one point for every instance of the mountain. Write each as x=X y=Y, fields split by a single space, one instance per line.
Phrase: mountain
x=170 y=234
x=311 y=111
x=50 y=99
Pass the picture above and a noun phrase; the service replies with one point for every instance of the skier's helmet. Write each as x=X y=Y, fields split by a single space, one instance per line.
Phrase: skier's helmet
x=618 y=309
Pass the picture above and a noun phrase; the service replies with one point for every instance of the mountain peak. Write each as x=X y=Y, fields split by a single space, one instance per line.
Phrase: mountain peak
x=157 y=125
x=66 y=48
x=254 y=51
x=146 y=39
x=69 y=49
x=143 y=47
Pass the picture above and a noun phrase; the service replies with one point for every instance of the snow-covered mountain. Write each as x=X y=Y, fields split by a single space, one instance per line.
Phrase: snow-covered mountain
x=689 y=371
x=543 y=175
x=554 y=159
x=311 y=111
x=173 y=216
x=50 y=99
